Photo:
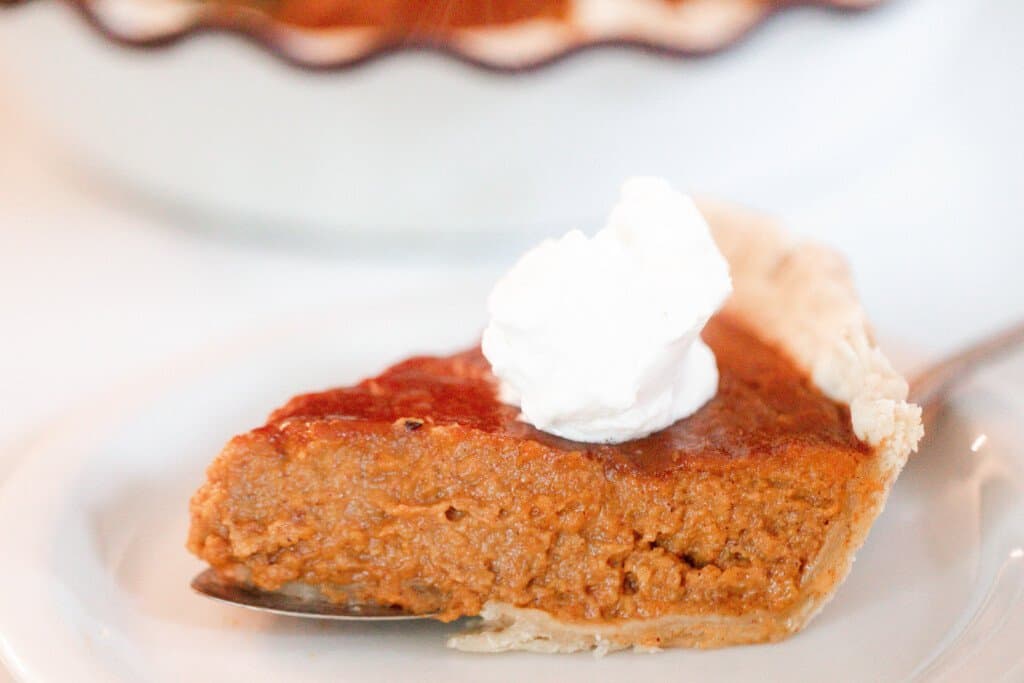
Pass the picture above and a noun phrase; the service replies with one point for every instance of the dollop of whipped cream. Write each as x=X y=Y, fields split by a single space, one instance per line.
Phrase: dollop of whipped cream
x=598 y=339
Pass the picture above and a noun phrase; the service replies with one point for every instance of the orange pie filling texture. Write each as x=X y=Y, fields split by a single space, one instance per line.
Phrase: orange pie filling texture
x=413 y=17
x=418 y=488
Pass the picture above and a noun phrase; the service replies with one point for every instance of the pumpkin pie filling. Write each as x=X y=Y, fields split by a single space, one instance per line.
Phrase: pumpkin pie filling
x=418 y=488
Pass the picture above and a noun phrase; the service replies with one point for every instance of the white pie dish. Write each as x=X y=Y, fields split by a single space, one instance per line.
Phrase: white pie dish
x=417 y=142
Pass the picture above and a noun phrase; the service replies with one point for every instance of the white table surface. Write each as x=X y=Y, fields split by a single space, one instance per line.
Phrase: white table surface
x=93 y=292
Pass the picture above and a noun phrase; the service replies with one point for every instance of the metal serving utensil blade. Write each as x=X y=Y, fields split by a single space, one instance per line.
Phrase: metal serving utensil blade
x=210 y=585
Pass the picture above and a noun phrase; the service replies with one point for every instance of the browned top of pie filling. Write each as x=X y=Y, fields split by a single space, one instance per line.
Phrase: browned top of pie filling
x=762 y=405
x=418 y=488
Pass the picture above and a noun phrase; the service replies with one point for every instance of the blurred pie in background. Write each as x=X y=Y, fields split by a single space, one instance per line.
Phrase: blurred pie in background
x=207 y=126
x=493 y=33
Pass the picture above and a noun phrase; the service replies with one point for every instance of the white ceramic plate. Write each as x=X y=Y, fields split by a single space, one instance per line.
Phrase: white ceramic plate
x=95 y=575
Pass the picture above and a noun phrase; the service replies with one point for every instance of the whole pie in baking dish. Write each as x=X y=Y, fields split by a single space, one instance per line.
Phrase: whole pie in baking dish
x=497 y=34
x=419 y=488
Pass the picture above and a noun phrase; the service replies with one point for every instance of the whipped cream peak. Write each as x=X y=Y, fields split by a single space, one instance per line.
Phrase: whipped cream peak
x=598 y=339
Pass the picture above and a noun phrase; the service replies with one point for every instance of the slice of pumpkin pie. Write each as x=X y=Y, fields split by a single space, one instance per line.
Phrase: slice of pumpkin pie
x=427 y=488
